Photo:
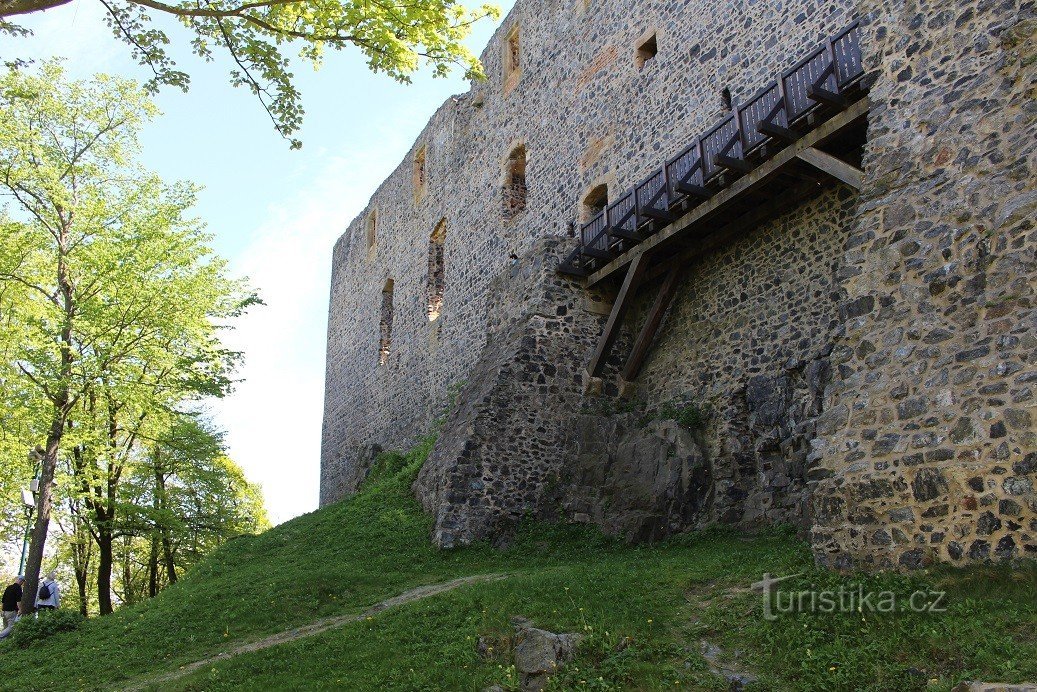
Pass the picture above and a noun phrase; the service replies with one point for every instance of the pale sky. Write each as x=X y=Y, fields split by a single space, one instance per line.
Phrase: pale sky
x=275 y=213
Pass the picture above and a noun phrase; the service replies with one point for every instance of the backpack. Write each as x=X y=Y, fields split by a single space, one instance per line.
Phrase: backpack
x=44 y=591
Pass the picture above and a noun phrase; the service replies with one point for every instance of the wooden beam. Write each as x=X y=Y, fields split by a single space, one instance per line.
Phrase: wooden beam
x=777 y=131
x=754 y=180
x=732 y=164
x=823 y=95
x=835 y=167
x=655 y=317
x=619 y=309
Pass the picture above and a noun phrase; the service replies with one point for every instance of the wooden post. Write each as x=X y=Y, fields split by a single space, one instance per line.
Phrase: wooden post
x=651 y=325
x=619 y=308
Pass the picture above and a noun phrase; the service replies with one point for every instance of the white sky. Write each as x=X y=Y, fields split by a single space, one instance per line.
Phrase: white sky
x=275 y=213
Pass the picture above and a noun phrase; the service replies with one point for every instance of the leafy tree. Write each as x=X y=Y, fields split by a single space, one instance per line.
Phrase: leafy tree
x=111 y=297
x=187 y=498
x=394 y=36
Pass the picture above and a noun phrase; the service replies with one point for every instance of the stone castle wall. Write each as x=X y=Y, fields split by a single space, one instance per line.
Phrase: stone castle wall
x=866 y=359
x=928 y=445
x=586 y=115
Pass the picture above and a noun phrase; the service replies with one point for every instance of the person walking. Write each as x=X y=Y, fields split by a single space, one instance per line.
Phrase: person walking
x=49 y=596
x=12 y=597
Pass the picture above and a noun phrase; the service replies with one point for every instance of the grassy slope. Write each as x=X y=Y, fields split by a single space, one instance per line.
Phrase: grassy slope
x=666 y=599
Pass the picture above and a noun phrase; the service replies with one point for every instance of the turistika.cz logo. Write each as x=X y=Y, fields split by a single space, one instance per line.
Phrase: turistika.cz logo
x=844 y=599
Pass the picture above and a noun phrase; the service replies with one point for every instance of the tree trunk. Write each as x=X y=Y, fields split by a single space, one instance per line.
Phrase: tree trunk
x=160 y=501
x=167 y=553
x=105 y=562
x=61 y=406
x=84 y=597
x=81 y=550
x=129 y=595
x=153 y=566
x=38 y=539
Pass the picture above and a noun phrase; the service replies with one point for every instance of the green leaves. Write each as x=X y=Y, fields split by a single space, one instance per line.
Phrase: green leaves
x=111 y=298
x=397 y=37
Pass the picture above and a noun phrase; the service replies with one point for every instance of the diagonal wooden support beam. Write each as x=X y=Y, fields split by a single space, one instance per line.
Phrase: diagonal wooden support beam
x=835 y=167
x=651 y=325
x=608 y=337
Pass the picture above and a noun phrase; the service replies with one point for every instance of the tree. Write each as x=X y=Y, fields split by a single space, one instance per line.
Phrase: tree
x=111 y=298
x=394 y=36
x=188 y=498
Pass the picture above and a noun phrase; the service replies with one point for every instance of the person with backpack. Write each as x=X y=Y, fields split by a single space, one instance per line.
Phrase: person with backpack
x=12 y=597
x=48 y=597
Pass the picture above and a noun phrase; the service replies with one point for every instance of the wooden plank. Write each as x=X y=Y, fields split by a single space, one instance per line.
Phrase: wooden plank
x=619 y=309
x=724 y=197
x=626 y=235
x=835 y=167
x=595 y=252
x=657 y=214
x=655 y=317
x=571 y=270
x=694 y=190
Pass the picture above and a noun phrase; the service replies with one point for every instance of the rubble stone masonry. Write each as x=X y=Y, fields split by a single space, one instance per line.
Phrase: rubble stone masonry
x=861 y=366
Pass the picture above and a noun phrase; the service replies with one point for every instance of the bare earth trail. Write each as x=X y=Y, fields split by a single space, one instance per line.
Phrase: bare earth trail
x=314 y=628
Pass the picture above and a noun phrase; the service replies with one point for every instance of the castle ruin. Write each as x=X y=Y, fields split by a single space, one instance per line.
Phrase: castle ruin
x=713 y=262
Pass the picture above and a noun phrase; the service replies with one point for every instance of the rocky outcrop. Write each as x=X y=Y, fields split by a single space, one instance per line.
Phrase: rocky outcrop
x=643 y=477
x=638 y=479
x=539 y=653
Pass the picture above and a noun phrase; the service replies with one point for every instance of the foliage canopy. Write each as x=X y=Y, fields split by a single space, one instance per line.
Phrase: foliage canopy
x=395 y=36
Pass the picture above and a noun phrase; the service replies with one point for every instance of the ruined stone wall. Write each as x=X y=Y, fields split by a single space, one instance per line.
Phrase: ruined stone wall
x=928 y=445
x=867 y=359
x=587 y=114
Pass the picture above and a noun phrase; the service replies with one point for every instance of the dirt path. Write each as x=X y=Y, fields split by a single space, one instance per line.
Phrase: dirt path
x=313 y=628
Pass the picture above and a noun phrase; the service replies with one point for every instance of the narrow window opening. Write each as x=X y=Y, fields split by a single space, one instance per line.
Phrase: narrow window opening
x=647 y=51
x=372 y=228
x=512 y=59
x=385 y=331
x=725 y=99
x=514 y=193
x=595 y=202
x=436 y=270
x=420 y=173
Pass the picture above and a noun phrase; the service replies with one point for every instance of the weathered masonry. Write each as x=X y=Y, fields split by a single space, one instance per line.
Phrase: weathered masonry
x=696 y=263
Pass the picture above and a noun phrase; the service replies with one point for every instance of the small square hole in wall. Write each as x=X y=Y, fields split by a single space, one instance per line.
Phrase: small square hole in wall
x=512 y=59
x=647 y=49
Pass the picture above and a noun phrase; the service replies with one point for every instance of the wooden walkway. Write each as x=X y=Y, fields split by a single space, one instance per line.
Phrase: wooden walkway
x=766 y=156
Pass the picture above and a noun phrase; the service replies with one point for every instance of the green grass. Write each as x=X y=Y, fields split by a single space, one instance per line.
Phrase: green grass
x=643 y=610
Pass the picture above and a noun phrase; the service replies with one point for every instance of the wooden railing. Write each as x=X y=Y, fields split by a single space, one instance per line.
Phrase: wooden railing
x=825 y=80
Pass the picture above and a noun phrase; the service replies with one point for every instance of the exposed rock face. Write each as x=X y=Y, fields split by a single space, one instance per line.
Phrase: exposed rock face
x=640 y=481
x=645 y=478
